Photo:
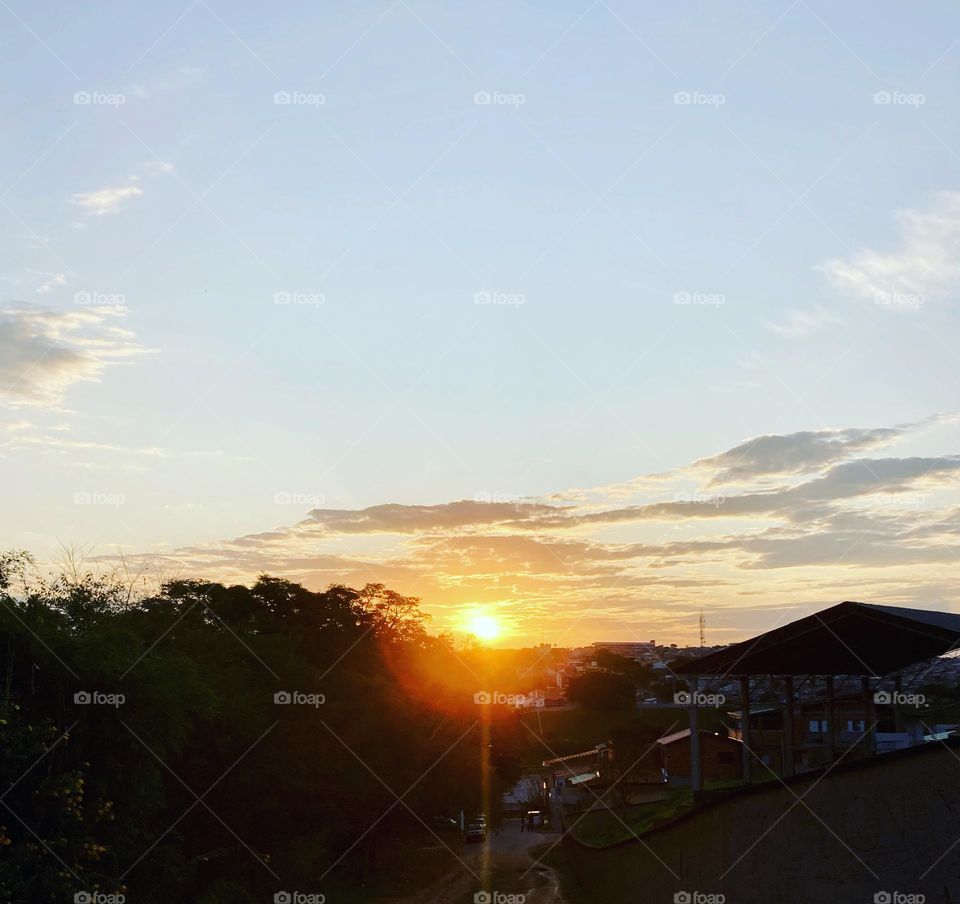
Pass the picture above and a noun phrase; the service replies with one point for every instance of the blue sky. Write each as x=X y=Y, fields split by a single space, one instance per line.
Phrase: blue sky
x=807 y=194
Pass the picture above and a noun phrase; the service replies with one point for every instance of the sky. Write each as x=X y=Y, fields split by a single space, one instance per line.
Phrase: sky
x=583 y=315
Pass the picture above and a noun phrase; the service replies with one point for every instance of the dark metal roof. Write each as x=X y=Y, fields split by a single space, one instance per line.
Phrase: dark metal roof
x=847 y=639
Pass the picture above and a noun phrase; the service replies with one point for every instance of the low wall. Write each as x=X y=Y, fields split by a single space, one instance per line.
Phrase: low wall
x=885 y=825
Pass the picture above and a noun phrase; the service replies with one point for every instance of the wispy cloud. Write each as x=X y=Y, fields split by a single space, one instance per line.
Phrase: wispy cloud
x=924 y=265
x=831 y=512
x=106 y=200
x=43 y=351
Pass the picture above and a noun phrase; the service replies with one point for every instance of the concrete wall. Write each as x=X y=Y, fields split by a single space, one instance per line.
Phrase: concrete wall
x=877 y=825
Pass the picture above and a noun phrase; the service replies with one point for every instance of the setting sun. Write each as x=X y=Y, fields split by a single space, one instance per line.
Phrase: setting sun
x=484 y=626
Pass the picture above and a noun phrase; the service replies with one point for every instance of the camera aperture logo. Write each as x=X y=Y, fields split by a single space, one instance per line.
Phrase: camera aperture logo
x=298 y=698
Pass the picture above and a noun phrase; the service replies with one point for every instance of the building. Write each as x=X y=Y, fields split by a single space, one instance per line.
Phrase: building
x=721 y=757
x=851 y=640
x=629 y=650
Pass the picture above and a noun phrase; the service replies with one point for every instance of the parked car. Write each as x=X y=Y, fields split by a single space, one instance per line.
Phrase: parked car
x=476 y=831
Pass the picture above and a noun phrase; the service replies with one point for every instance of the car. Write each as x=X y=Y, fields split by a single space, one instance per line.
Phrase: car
x=476 y=831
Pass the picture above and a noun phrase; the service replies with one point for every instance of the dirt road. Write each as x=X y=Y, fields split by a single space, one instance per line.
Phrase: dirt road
x=500 y=867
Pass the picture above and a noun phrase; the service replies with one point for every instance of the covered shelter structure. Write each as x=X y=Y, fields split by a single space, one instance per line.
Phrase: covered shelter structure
x=850 y=639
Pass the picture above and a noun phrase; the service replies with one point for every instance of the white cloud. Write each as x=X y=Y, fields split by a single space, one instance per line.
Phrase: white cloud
x=925 y=265
x=43 y=351
x=51 y=281
x=105 y=200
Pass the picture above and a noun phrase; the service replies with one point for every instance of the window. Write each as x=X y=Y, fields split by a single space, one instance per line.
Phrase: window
x=856 y=725
x=819 y=726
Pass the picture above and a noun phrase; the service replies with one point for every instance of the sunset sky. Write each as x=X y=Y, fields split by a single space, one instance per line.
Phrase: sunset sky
x=578 y=316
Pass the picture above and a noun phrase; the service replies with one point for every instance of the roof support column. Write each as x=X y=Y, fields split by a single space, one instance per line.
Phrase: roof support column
x=897 y=711
x=745 y=727
x=789 y=750
x=869 y=717
x=696 y=774
x=831 y=722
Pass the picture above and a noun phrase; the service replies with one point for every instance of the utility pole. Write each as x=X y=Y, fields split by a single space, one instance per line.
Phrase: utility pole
x=703 y=630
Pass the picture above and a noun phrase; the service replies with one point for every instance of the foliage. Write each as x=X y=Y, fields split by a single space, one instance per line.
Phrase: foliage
x=192 y=782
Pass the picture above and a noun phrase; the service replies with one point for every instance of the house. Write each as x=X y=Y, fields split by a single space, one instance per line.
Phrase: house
x=811 y=731
x=721 y=757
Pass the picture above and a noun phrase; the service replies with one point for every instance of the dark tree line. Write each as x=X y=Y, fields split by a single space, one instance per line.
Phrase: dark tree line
x=182 y=778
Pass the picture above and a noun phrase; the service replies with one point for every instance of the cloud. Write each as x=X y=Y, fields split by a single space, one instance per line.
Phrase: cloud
x=925 y=264
x=392 y=518
x=837 y=522
x=784 y=455
x=43 y=351
x=51 y=281
x=105 y=200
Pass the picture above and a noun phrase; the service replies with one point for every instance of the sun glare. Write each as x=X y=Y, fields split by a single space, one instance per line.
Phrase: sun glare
x=484 y=626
